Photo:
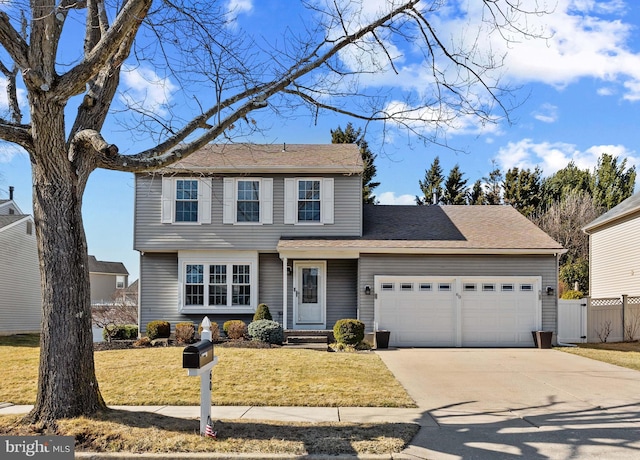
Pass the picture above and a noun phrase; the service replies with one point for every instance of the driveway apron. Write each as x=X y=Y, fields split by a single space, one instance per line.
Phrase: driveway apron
x=518 y=404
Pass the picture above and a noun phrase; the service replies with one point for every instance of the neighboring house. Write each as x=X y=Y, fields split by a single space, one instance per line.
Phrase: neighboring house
x=108 y=280
x=614 y=251
x=233 y=226
x=20 y=297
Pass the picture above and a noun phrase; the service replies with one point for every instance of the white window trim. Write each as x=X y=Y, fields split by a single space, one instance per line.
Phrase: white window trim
x=326 y=200
x=207 y=258
x=167 y=212
x=230 y=200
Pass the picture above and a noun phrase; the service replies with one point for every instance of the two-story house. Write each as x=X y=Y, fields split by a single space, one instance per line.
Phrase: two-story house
x=232 y=226
x=108 y=281
x=20 y=304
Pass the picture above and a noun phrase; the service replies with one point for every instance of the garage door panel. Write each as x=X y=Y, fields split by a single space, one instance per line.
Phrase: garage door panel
x=473 y=312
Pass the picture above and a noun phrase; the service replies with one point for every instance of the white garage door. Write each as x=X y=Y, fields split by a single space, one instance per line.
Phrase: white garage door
x=464 y=311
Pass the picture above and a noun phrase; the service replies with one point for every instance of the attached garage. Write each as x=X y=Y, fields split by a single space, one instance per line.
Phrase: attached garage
x=428 y=311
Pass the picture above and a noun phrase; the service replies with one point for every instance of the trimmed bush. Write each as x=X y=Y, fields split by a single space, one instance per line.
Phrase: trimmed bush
x=185 y=332
x=120 y=332
x=266 y=331
x=348 y=331
x=262 y=312
x=215 y=332
x=572 y=295
x=158 y=330
x=235 y=329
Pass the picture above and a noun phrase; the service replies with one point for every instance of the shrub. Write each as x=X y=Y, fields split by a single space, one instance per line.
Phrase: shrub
x=262 y=312
x=348 y=331
x=142 y=342
x=215 y=332
x=158 y=330
x=120 y=332
x=235 y=329
x=267 y=331
x=185 y=332
x=572 y=295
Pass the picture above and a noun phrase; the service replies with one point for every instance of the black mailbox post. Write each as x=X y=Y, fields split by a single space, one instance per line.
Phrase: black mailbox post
x=198 y=355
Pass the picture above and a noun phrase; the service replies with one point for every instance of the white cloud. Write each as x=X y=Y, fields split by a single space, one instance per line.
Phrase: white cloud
x=548 y=113
x=8 y=151
x=240 y=6
x=145 y=90
x=20 y=93
x=235 y=8
x=391 y=198
x=552 y=156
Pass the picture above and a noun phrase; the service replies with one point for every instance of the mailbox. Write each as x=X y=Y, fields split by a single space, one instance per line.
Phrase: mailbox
x=197 y=355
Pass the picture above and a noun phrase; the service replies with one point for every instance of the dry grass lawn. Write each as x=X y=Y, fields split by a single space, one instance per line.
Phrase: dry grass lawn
x=122 y=431
x=625 y=354
x=277 y=376
x=256 y=377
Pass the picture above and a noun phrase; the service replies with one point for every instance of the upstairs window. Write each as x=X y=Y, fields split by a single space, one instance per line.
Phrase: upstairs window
x=248 y=201
x=308 y=201
x=120 y=282
x=186 y=200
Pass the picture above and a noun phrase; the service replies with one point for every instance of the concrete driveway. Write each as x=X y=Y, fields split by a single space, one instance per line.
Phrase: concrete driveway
x=518 y=404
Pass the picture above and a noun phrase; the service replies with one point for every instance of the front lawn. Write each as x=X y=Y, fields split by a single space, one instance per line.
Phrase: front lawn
x=625 y=354
x=255 y=377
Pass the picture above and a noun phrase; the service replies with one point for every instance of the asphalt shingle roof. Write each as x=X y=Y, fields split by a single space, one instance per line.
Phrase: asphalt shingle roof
x=259 y=158
x=9 y=219
x=99 y=266
x=439 y=228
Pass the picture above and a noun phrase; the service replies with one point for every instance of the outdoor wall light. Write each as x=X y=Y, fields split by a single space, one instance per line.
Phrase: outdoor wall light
x=550 y=290
x=367 y=290
x=289 y=269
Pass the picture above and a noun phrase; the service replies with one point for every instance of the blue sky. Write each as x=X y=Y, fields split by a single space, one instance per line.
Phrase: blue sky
x=578 y=94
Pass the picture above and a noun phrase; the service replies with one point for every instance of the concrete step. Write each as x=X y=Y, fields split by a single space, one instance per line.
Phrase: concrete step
x=307 y=339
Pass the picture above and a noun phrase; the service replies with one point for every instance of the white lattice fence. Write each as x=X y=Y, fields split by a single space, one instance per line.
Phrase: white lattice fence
x=613 y=319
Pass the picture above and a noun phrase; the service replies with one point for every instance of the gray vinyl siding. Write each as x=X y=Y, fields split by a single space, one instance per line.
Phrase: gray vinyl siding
x=151 y=235
x=103 y=287
x=342 y=282
x=159 y=290
x=459 y=265
x=615 y=259
x=20 y=297
x=270 y=284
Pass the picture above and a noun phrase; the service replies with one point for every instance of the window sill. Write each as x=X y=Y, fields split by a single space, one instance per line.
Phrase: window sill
x=216 y=310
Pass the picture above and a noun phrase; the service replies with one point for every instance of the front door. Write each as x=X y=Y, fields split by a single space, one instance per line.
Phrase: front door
x=309 y=295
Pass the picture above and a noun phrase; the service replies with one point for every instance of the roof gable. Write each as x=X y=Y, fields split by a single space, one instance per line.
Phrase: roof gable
x=272 y=158
x=629 y=206
x=9 y=220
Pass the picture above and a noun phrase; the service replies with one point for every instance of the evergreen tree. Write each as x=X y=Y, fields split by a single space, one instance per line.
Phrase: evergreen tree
x=493 y=186
x=455 y=187
x=611 y=182
x=476 y=195
x=431 y=187
x=522 y=189
x=354 y=136
x=568 y=180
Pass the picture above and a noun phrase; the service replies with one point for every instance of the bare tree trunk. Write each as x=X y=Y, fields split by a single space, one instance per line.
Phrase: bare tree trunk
x=68 y=386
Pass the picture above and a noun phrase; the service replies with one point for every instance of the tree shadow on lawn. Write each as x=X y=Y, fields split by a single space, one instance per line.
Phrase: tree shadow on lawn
x=121 y=430
x=537 y=432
